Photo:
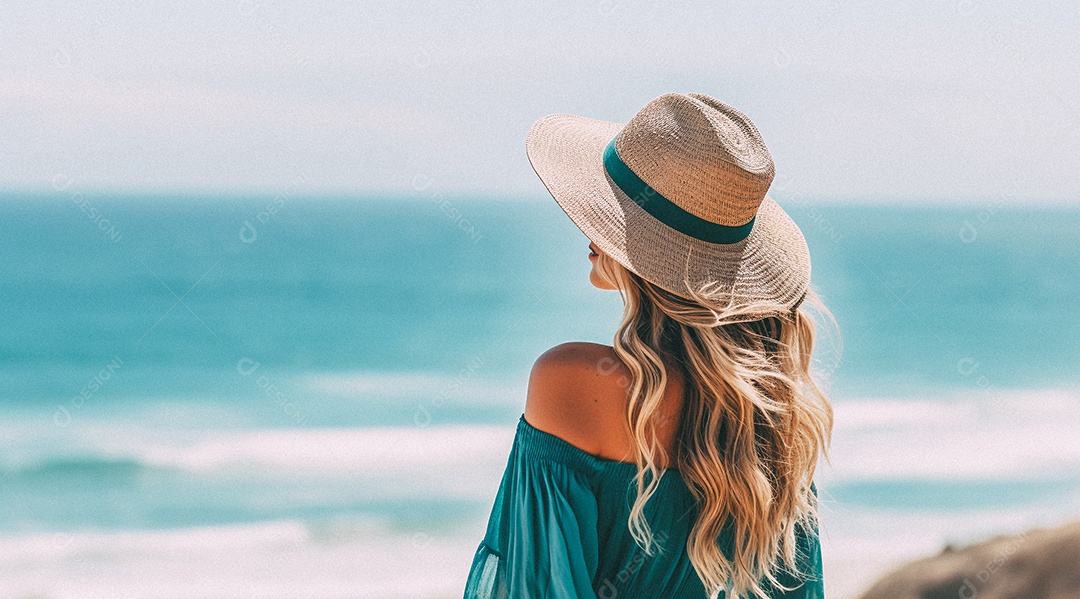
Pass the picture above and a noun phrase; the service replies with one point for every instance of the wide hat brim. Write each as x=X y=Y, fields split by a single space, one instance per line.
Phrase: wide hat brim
x=769 y=269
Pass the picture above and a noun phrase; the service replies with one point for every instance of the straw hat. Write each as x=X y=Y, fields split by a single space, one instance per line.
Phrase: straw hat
x=678 y=196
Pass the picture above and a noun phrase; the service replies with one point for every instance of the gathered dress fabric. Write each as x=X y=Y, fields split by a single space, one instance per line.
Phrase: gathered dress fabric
x=558 y=529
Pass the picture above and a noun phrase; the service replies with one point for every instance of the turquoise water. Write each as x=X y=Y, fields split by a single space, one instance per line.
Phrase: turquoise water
x=388 y=285
x=335 y=376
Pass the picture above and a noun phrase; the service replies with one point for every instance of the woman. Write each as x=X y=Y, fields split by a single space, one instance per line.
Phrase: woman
x=679 y=461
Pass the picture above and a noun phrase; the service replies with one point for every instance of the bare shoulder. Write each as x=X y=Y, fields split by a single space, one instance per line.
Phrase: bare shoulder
x=578 y=391
x=592 y=360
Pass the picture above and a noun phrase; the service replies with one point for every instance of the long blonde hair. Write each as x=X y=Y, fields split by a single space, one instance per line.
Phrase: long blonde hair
x=752 y=425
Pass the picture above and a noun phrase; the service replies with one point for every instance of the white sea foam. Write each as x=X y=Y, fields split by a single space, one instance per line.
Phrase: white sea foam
x=1010 y=435
x=270 y=560
x=286 y=559
x=59 y=546
x=1020 y=435
x=321 y=452
x=1023 y=435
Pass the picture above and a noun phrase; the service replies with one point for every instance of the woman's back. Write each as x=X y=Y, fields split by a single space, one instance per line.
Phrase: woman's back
x=558 y=527
x=579 y=392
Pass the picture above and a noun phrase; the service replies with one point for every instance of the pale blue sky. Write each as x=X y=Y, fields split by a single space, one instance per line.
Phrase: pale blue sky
x=971 y=99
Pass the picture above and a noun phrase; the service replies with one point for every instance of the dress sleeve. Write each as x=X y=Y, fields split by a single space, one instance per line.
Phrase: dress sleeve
x=541 y=540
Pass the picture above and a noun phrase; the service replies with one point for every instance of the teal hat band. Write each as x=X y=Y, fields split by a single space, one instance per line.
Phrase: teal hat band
x=663 y=209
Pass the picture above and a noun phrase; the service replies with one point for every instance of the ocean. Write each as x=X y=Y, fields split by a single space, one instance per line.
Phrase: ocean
x=285 y=397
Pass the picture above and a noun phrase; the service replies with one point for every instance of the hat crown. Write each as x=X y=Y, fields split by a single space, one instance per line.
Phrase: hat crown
x=700 y=154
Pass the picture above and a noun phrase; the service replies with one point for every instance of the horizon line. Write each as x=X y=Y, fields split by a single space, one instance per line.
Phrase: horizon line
x=332 y=194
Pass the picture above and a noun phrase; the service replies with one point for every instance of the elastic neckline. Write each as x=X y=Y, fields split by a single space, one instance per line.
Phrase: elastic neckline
x=559 y=449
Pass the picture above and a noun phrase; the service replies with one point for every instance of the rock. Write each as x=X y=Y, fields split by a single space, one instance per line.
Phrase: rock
x=1043 y=563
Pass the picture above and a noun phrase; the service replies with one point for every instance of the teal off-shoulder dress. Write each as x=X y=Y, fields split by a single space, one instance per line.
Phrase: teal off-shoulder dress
x=558 y=529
